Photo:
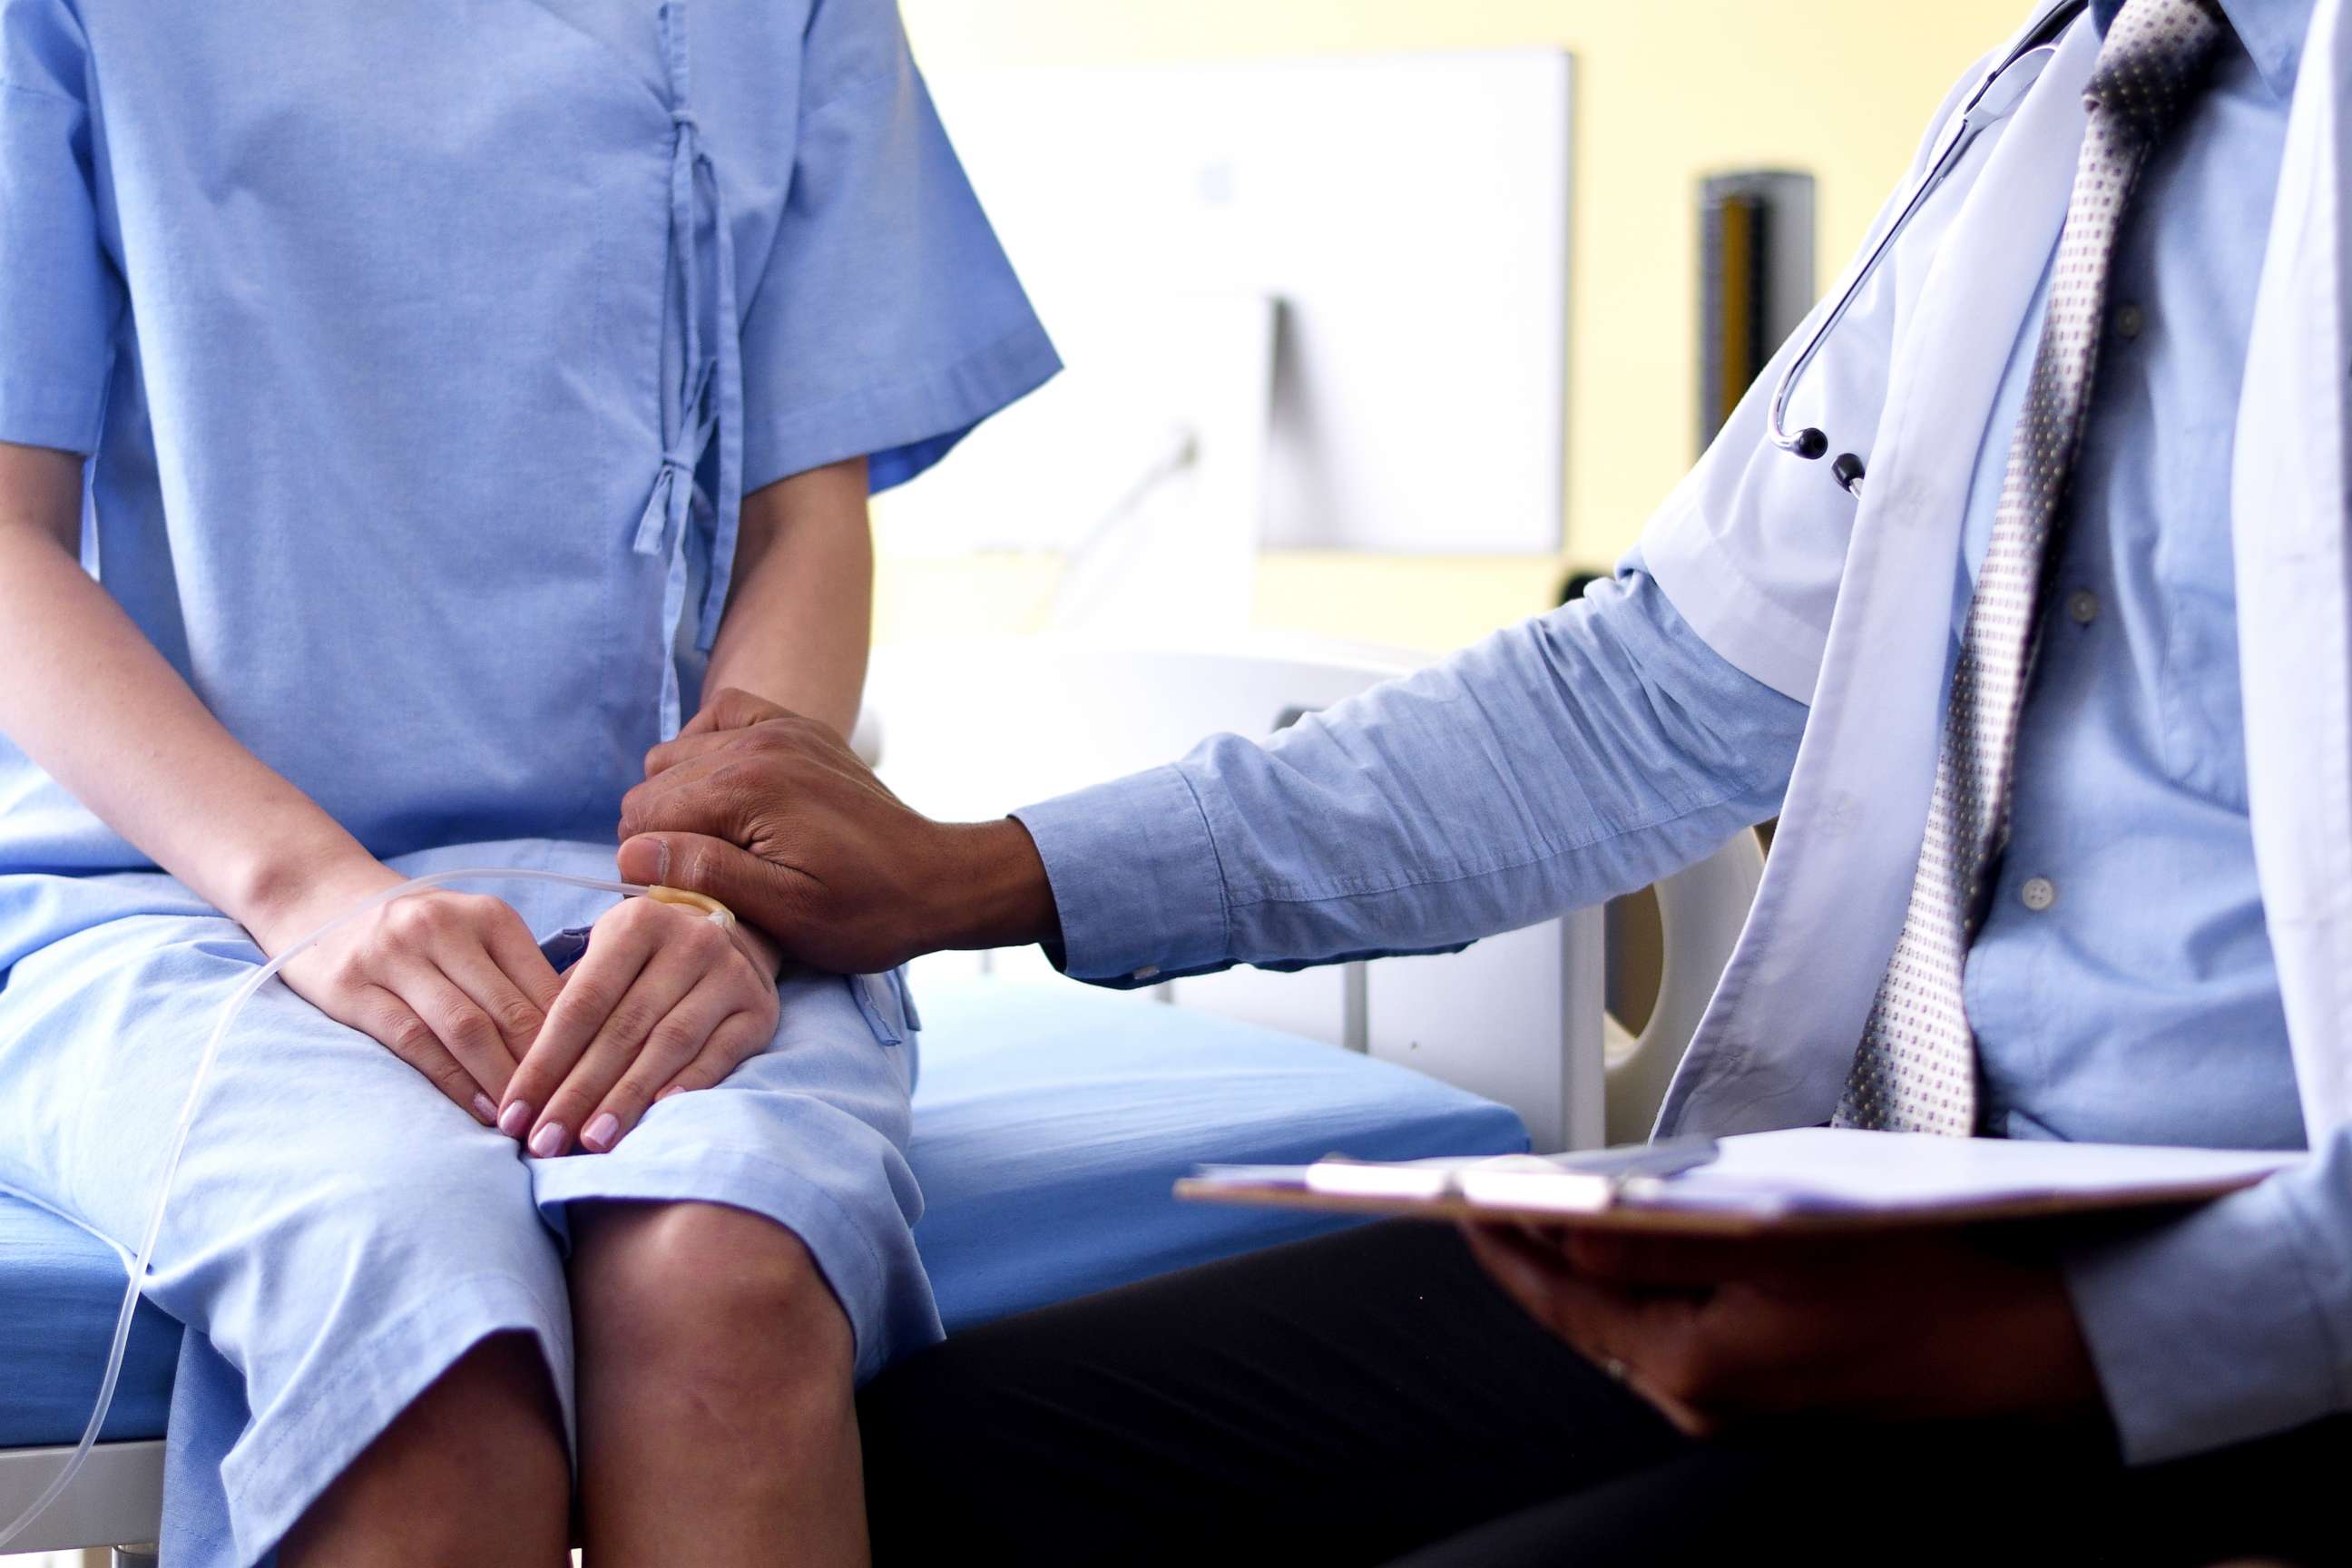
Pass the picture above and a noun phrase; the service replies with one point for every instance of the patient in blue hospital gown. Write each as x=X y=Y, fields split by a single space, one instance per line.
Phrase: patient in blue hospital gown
x=439 y=396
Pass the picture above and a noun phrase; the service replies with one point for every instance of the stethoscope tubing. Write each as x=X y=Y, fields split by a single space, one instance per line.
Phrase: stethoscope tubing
x=1995 y=98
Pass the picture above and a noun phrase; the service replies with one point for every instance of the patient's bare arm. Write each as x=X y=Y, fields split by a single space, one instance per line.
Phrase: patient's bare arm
x=799 y=618
x=772 y=815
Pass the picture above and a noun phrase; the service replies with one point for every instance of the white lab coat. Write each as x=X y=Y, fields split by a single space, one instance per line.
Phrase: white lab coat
x=1851 y=608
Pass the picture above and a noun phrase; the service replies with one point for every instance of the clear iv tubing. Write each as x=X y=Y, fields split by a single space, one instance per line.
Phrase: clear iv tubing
x=244 y=992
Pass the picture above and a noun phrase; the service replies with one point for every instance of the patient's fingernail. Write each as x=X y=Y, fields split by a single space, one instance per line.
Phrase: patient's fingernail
x=515 y=1119
x=599 y=1134
x=484 y=1109
x=548 y=1141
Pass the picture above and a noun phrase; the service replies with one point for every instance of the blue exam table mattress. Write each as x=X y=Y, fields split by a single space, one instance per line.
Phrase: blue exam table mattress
x=1050 y=1121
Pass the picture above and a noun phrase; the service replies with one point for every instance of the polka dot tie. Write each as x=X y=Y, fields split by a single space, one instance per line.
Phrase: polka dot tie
x=1916 y=1071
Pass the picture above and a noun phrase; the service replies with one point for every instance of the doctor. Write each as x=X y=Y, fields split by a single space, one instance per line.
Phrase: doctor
x=2058 y=723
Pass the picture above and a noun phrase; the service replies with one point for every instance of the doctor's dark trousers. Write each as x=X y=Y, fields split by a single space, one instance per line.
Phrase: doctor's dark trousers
x=1371 y=1398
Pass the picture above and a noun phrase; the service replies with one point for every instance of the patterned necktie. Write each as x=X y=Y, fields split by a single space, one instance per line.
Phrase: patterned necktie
x=1916 y=1071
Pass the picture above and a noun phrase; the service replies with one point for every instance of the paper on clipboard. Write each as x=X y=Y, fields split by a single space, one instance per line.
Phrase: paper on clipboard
x=1804 y=1178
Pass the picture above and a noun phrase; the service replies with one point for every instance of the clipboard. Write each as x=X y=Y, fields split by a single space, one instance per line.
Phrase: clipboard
x=1813 y=1181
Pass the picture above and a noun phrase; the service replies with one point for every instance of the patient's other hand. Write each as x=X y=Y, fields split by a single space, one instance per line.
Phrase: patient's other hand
x=664 y=999
x=451 y=983
x=774 y=816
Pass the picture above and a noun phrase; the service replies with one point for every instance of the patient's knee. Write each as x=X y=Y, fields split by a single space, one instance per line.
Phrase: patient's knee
x=713 y=1299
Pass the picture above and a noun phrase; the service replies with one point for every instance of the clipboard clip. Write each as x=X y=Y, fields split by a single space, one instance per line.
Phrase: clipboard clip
x=1582 y=1183
x=1631 y=1166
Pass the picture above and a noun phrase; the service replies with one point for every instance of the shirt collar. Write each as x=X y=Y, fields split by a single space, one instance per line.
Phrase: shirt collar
x=2271 y=32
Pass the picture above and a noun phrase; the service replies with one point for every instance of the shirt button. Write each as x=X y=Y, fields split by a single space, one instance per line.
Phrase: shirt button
x=1148 y=971
x=2039 y=893
x=2129 y=320
x=2083 y=605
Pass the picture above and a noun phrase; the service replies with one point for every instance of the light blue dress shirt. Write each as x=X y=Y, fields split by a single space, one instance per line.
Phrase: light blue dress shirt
x=2122 y=988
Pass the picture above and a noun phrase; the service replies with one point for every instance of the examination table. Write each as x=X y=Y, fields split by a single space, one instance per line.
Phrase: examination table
x=1050 y=1121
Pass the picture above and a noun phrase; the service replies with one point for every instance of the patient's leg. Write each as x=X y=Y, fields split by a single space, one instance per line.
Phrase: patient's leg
x=473 y=1472
x=717 y=1421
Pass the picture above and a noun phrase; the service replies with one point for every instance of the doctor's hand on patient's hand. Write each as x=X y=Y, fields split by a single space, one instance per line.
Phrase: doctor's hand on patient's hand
x=774 y=816
x=452 y=984
x=1719 y=1333
x=665 y=999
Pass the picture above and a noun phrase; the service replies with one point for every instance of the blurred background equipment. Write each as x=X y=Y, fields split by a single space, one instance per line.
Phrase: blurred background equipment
x=1335 y=290
x=1756 y=281
x=1665 y=94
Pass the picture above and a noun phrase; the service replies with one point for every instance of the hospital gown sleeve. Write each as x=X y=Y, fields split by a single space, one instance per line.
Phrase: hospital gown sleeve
x=1562 y=761
x=59 y=294
x=888 y=323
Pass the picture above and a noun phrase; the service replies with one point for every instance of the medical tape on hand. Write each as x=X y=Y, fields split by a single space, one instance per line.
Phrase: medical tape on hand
x=718 y=913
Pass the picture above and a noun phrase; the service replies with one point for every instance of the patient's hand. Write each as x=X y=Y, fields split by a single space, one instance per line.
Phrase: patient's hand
x=1717 y=1332
x=665 y=999
x=451 y=983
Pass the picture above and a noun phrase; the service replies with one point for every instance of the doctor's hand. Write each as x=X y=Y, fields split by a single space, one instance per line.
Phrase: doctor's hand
x=665 y=999
x=451 y=983
x=1719 y=1333
x=774 y=816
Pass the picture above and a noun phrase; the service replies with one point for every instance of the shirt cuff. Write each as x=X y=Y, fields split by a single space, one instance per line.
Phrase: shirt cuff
x=52 y=413
x=1136 y=879
x=2207 y=1330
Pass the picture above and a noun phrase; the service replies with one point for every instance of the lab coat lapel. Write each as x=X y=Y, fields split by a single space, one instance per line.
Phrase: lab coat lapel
x=2291 y=481
x=1777 y=1040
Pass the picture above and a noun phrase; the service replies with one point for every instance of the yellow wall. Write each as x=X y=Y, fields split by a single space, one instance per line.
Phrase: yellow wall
x=1667 y=90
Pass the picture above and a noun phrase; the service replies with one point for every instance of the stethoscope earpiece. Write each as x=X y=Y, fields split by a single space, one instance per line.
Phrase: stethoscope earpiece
x=1810 y=444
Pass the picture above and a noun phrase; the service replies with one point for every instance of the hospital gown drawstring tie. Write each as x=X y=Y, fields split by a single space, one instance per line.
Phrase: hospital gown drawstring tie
x=708 y=402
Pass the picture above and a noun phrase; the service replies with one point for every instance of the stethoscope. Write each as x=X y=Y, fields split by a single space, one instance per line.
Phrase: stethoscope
x=1995 y=98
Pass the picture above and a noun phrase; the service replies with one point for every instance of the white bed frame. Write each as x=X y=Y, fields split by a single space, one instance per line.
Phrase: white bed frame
x=973 y=729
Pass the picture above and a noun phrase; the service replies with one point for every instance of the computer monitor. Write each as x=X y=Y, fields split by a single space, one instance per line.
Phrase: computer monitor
x=1402 y=223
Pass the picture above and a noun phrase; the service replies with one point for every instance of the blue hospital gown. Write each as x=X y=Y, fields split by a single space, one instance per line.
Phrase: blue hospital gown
x=423 y=353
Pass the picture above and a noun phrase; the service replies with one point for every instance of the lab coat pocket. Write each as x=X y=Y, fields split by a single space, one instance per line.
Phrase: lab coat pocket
x=888 y=1005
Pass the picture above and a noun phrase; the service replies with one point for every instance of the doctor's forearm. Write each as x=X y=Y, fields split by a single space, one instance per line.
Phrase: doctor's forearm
x=1560 y=762
x=87 y=697
x=799 y=619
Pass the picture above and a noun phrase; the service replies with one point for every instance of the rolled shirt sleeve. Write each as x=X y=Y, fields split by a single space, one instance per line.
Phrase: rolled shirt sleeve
x=888 y=321
x=59 y=294
x=2231 y=1323
x=1564 y=761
